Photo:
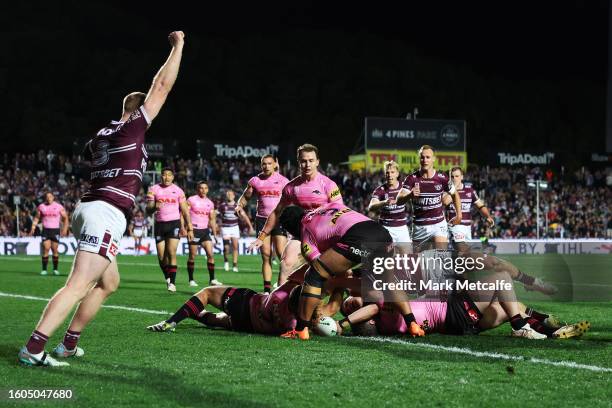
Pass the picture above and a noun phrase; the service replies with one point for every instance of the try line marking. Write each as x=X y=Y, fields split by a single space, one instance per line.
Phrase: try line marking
x=449 y=349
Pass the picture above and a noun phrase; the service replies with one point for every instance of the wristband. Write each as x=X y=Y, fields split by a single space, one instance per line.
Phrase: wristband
x=262 y=235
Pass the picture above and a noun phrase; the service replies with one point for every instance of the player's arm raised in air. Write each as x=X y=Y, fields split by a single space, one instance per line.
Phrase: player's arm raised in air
x=165 y=77
x=244 y=200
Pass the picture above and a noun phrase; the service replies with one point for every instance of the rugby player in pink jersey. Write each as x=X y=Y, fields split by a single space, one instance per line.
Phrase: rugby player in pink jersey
x=461 y=233
x=334 y=238
x=167 y=201
x=203 y=219
x=309 y=190
x=268 y=186
x=50 y=213
x=117 y=157
x=230 y=228
x=425 y=188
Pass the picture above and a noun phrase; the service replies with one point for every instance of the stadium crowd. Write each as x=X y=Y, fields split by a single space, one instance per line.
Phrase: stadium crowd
x=575 y=205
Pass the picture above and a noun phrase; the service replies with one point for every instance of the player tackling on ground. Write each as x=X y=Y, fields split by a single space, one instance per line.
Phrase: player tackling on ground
x=268 y=185
x=50 y=213
x=118 y=157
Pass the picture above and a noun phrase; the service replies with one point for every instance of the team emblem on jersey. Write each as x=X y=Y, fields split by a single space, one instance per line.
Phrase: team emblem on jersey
x=316 y=192
x=438 y=187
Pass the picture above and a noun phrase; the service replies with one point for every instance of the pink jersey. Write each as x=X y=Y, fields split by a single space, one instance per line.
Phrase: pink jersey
x=171 y=197
x=51 y=214
x=429 y=315
x=311 y=194
x=199 y=211
x=323 y=227
x=269 y=191
x=276 y=308
x=427 y=207
x=468 y=197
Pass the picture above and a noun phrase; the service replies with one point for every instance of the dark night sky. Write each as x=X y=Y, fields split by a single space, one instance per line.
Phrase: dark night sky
x=556 y=43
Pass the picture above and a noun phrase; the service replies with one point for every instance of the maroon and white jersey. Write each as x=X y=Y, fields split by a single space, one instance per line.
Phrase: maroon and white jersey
x=390 y=215
x=118 y=158
x=427 y=207
x=228 y=215
x=468 y=197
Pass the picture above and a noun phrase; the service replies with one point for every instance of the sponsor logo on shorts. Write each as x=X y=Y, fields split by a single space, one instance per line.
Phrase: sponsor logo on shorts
x=113 y=248
x=176 y=232
x=91 y=240
x=473 y=315
x=361 y=252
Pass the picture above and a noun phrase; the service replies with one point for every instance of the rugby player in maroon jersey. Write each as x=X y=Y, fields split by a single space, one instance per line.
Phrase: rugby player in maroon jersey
x=118 y=157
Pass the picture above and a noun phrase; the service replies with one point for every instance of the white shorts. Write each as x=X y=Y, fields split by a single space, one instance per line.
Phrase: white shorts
x=421 y=233
x=399 y=234
x=230 y=232
x=461 y=233
x=138 y=232
x=98 y=227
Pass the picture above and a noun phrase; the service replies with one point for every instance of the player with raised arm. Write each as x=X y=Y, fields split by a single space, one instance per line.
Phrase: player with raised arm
x=461 y=233
x=50 y=213
x=268 y=186
x=230 y=228
x=137 y=229
x=392 y=215
x=202 y=213
x=425 y=187
x=334 y=238
x=167 y=201
x=118 y=157
x=309 y=190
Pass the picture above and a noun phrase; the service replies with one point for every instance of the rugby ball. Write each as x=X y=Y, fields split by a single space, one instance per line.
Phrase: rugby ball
x=326 y=327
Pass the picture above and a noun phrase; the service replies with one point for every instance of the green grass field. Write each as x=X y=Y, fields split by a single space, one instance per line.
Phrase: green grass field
x=125 y=365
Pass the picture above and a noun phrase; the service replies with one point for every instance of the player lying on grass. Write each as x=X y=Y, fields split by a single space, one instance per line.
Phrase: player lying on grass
x=333 y=239
x=459 y=315
x=247 y=311
x=462 y=233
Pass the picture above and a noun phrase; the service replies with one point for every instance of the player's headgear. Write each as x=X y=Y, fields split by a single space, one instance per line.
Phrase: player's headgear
x=291 y=220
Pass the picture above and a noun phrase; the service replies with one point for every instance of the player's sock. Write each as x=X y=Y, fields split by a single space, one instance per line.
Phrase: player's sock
x=45 y=262
x=192 y=309
x=539 y=327
x=517 y=321
x=235 y=264
x=171 y=270
x=301 y=324
x=55 y=262
x=37 y=342
x=267 y=286
x=409 y=318
x=163 y=268
x=536 y=315
x=190 y=268
x=525 y=279
x=71 y=338
x=211 y=270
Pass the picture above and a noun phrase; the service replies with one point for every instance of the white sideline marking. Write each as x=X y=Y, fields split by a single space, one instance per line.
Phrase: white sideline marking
x=450 y=349
x=486 y=354
x=129 y=309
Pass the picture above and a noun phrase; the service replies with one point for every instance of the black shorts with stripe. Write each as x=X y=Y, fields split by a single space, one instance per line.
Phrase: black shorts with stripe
x=261 y=221
x=167 y=230
x=236 y=302
x=462 y=315
x=52 y=234
x=200 y=236
x=362 y=239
